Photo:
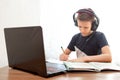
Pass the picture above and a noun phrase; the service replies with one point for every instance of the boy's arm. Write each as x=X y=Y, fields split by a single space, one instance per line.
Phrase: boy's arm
x=104 y=57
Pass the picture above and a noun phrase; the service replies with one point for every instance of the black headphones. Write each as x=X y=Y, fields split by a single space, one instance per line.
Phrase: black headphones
x=95 y=23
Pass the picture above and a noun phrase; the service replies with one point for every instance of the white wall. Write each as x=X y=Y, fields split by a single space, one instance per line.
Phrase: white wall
x=56 y=19
x=15 y=13
x=55 y=16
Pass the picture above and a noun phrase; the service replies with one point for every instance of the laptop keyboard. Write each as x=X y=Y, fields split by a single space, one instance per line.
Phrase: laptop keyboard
x=54 y=68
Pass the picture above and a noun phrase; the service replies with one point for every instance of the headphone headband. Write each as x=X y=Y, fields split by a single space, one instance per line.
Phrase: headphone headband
x=88 y=11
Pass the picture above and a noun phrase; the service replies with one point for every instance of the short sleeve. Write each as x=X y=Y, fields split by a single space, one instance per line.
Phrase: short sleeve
x=72 y=42
x=101 y=39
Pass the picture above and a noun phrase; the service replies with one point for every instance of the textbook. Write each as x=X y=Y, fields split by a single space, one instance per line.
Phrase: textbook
x=91 y=66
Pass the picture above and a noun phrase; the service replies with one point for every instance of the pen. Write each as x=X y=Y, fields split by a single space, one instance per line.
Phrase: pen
x=62 y=49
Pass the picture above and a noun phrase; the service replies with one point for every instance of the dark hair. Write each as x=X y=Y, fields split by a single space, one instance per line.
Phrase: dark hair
x=85 y=17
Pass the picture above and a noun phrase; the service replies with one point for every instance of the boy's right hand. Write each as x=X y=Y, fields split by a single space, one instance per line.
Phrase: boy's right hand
x=64 y=57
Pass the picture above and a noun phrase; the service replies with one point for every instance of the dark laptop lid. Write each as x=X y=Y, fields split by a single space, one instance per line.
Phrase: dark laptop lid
x=25 y=49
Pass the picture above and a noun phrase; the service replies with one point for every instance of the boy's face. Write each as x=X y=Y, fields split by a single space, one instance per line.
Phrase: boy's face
x=85 y=27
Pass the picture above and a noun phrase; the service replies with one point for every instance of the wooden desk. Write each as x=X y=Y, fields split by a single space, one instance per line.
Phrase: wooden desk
x=7 y=73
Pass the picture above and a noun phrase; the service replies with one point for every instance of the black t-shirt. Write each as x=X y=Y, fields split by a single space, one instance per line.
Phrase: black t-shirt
x=91 y=44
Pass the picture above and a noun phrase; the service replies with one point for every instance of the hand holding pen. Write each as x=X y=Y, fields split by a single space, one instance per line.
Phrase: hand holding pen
x=63 y=56
x=62 y=49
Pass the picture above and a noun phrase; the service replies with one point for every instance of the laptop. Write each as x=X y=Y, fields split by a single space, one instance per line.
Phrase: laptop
x=25 y=51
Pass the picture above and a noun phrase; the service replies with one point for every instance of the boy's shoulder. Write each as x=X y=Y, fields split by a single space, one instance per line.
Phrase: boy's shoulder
x=99 y=33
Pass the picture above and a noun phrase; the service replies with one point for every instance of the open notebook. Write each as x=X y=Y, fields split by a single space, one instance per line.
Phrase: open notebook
x=91 y=66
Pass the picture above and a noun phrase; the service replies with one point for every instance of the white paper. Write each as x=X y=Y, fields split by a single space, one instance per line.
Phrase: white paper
x=79 y=53
x=54 y=61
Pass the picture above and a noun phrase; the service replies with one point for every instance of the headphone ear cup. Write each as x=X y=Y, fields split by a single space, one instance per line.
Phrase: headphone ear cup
x=74 y=19
x=94 y=26
x=76 y=24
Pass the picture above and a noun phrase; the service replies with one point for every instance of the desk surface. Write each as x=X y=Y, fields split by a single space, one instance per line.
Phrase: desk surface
x=7 y=73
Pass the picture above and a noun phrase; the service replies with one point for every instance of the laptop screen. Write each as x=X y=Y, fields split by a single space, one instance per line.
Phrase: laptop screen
x=25 y=49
